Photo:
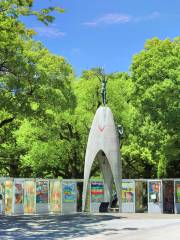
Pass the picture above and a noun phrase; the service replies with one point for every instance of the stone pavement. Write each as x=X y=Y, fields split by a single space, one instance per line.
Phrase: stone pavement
x=91 y=227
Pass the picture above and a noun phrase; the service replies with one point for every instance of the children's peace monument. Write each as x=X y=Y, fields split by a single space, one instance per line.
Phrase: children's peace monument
x=103 y=146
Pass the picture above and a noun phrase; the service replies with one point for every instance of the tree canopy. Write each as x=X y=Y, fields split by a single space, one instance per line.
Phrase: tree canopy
x=35 y=86
x=46 y=112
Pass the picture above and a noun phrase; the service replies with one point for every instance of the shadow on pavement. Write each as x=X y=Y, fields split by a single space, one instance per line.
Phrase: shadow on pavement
x=47 y=227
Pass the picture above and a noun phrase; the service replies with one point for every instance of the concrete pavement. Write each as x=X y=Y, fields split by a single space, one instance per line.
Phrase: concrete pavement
x=91 y=227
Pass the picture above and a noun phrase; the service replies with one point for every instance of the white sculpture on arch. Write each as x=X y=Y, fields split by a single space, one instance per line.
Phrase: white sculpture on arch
x=103 y=145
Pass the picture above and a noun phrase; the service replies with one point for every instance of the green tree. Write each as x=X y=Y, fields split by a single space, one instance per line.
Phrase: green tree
x=35 y=85
x=156 y=75
x=18 y=71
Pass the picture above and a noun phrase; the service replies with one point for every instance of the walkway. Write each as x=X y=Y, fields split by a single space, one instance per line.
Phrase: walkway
x=91 y=227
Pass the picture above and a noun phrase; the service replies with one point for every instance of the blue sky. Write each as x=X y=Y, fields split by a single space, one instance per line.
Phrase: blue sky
x=106 y=33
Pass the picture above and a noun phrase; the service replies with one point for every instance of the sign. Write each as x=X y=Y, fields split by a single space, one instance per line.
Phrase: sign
x=154 y=192
x=177 y=188
x=42 y=191
x=69 y=192
x=8 y=196
x=97 y=192
x=1 y=190
x=1 y=197
x=127 y=192
x=168 y=196
x=18 y=193
x=29 y=196
x=55 y=196
x=139 y=195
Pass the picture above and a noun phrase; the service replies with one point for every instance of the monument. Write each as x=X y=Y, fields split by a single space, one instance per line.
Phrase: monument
x=104 y=146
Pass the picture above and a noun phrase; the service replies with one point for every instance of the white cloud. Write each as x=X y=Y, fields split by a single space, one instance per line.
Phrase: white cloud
x=50 y=32
x=152 y=16
x=110 y=18
x=76 y=51
x=115 y=18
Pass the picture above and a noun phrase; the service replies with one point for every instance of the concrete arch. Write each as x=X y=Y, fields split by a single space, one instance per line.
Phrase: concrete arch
x=107 y=175
x=103 y=138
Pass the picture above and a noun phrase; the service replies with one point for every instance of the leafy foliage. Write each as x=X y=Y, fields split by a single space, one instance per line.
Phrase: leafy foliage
x=35 y=86
x=46 y=113
x=156 y=77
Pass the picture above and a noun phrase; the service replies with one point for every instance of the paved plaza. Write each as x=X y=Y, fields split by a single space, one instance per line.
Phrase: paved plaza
x=91 y=226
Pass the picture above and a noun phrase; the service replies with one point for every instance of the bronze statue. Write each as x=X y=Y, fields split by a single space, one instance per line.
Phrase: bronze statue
x=120 y=131
x=103 y=90
x=99 y=72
